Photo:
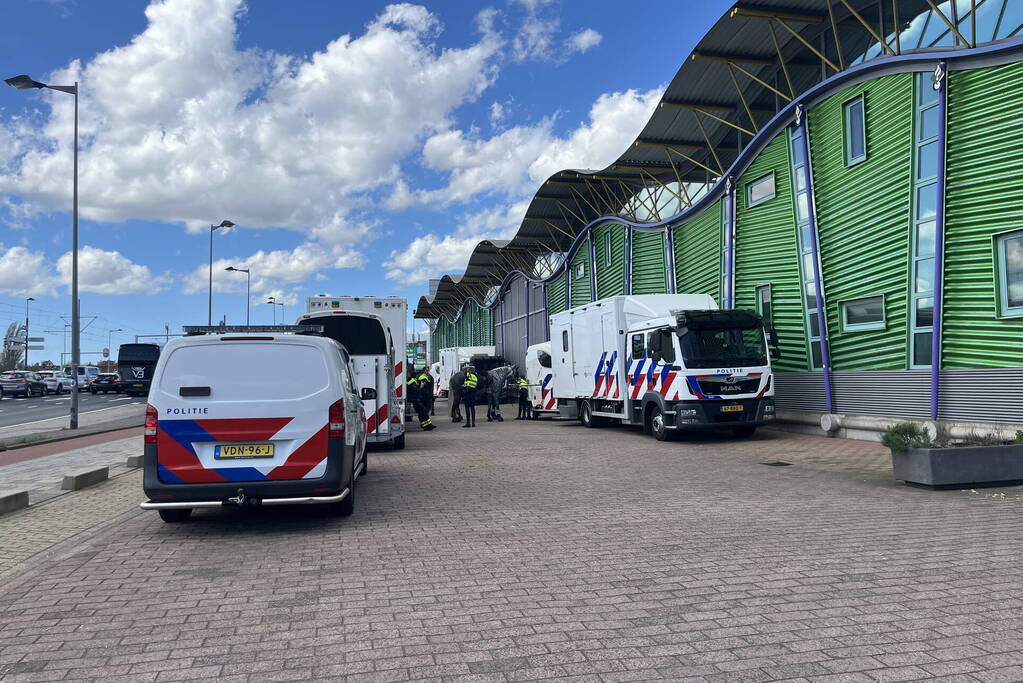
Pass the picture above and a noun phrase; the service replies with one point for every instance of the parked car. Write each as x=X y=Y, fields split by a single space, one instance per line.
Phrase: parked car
x=22 y=382
x=56 y=382
x=217 y=433
x=106 y=382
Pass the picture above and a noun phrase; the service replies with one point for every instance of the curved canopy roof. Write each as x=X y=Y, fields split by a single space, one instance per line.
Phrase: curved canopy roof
x=752 y=63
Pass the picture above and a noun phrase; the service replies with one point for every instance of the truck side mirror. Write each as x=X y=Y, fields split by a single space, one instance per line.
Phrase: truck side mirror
x=368 y=394
x=775 y=347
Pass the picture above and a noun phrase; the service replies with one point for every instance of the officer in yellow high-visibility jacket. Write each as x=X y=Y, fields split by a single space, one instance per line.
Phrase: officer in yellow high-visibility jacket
x=417 y=383
x=525 y=409
x=469 y=387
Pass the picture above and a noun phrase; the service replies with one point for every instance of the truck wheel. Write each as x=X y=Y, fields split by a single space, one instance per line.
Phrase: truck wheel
x=657 y=427
x=399 y=443
x=744 y=432
x=175 y=515
x=586 y=416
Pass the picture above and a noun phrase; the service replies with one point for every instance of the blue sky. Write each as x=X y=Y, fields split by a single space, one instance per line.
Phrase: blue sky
x=361 y=148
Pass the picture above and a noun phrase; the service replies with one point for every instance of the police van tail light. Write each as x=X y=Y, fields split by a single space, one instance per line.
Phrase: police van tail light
x=152 y=418
x=336 y=420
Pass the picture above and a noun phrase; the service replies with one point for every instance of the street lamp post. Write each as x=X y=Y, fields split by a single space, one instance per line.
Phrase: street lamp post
x=24 y=82
x=109 y=335
x=27 y=302
x=248 y=282
x=223 y=224
x=273 y=302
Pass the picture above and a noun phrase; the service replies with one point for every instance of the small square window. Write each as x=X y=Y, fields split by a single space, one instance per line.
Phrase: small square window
x=760 y=190
x=863 y=314
x=564 y=340
x=855 y=131
x=1010 y=273
x=764 y=304
x=580 y=271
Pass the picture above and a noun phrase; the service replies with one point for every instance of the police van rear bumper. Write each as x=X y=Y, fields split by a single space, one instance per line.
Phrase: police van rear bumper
x=335 y=482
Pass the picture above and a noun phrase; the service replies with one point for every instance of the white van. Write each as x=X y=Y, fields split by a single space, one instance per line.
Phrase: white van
x=251 y=418
x=87 y=374
x=540 y=377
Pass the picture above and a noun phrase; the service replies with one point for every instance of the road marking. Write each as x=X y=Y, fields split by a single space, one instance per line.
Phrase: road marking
x=126 y=398
x=58 y=417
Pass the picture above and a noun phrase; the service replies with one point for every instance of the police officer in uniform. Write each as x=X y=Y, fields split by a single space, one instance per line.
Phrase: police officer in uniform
x=455 y=395
x=416 y=386
x=469 y=386
x=525 y=409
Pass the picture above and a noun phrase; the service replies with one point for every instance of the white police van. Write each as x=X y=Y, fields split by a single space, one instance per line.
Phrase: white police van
x=218 y=434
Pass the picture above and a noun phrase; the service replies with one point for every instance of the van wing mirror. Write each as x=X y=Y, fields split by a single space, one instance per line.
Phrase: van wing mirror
x=368 y=394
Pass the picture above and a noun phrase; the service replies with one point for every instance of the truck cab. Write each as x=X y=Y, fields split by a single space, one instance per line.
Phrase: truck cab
x=704 y=369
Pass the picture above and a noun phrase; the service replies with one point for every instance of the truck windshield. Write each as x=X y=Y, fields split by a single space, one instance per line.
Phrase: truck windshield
x=715 y=348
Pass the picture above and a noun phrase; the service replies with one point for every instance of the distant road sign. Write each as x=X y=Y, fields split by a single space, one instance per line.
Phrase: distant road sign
x=38 y=347
x=106 y=352
x=37 y=339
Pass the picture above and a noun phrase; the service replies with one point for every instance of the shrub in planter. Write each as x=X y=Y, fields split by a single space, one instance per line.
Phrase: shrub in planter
x=901 y=437
x=918 y=461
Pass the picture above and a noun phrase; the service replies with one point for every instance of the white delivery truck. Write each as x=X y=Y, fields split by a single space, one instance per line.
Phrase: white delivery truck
x=667 y=362
x=374 y=331
x=540 y=376
x=454 y=358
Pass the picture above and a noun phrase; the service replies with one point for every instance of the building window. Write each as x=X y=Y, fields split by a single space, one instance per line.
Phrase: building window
x=760 y=190
x=855 y=131
x=863 y=314
x=607 y=248
x=580 y=271
x=1010 y=273
x=804 y=237
x=764 y=304
x=926 y=204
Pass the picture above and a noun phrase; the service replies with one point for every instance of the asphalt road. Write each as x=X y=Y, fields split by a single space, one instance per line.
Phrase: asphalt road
x=17 y=411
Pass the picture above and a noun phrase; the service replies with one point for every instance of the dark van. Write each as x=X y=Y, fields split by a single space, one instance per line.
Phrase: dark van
x=135 y=364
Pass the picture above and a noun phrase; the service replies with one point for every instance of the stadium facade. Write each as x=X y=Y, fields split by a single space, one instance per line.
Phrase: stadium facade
x=852 y=170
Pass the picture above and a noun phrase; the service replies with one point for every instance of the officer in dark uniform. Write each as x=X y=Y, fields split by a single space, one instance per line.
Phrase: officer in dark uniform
x=455 y=395
x=426 y=390
x=415 y=395
x=525 y=409
x=469 y=387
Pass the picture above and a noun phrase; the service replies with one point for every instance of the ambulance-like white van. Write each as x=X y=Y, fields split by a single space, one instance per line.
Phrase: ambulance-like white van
x=241 y=417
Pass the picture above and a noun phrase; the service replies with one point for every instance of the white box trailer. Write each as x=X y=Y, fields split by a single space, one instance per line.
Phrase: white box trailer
x=667 y=362
x=453 y=359
x=384 y=371
x=540 y=378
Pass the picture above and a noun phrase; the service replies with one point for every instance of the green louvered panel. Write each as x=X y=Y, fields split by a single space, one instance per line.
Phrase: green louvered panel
x=698 y=253
x=581 y=275
x=649 y=273
x=486 y=327
x=863 y=218
x=465 y=326
x=767 y=253
x=556 y=294
x=610 y=276
x=984 y=196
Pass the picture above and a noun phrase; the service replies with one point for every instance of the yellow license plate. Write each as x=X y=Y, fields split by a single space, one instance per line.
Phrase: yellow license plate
x=732 y=409
x=244 y=450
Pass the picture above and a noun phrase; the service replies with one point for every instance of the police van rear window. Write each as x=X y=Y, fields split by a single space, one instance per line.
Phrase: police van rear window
x=246 y=371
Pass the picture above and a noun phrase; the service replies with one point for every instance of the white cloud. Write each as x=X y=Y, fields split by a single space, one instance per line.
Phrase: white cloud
x=513 y=163
x=269 y=269
x=25 y=273
x=110 y=272
x=584 y=40
x=180 y=125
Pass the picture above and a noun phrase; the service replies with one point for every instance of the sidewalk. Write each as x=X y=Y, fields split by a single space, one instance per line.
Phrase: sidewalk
x=90 y=422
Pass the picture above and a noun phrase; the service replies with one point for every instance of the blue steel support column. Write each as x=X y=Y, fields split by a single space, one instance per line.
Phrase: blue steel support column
x=822 y=318
x=546 y=318
x=500 y=312
x=728 y=295
x=628 y=259
x=593 y=268
x=669 y=244
x=941 y=84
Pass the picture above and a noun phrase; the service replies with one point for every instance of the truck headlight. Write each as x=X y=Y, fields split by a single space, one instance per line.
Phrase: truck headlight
x=686 y=412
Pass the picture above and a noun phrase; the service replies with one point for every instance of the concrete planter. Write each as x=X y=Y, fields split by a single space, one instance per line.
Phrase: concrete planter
x=960 y=467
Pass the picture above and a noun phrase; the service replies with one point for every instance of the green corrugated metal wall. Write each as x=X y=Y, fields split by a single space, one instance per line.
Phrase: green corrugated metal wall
x=984 y=196
x=767 y=253
x=698 y=253
x=649 y=273
x=610 y=278
x=863 y=218
x=556 y=294
x=581 y=284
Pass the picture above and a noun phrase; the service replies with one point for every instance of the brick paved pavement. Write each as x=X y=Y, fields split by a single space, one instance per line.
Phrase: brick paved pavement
x=521 y=551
